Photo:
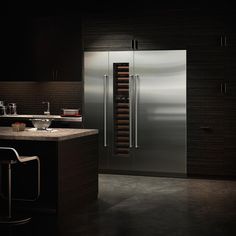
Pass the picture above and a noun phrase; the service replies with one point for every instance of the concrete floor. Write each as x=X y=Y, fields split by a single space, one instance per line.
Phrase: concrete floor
x=148 y=206
x=153 y=206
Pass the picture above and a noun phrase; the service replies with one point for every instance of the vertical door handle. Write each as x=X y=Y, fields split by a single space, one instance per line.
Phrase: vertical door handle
x=105 y=109
x=221 y=88
x=225 y=41
x=56 y=74
x=225 y=88
x=136 y=44
x=136 y=109
x=131 y=110
x=132 y=44
x=221 y=41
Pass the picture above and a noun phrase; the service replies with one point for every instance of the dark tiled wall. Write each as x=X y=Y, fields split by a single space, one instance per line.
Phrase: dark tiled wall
x=29 y=96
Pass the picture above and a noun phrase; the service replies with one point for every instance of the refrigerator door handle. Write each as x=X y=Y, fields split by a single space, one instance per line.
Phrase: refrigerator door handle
x=131 y=110
x=221 y=41
x=136 y=109
x=105 y=110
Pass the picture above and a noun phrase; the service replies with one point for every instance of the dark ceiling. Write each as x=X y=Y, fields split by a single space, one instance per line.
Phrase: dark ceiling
x=102 y=6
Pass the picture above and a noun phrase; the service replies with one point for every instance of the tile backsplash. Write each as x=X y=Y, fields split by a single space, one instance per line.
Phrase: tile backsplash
x=28 y=96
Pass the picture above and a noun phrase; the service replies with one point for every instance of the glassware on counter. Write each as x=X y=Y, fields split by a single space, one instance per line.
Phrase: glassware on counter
x=11 y=109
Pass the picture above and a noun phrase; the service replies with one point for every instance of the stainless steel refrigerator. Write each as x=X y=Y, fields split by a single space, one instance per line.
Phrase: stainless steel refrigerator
x=137 y=100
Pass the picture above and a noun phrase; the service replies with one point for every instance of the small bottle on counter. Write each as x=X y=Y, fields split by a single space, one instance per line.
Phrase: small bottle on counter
x=11 y=108
x=2 y=110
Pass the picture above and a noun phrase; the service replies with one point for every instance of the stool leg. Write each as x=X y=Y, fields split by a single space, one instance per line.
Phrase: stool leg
x=9 y=190
x=9 y=220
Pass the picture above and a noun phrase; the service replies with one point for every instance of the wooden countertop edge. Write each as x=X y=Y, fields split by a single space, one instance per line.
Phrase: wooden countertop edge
x=81 y=133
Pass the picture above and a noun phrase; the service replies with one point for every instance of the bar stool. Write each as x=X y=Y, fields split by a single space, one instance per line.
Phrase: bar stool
x=10 y=156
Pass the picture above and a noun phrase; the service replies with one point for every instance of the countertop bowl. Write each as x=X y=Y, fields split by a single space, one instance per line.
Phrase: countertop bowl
x=41 y=124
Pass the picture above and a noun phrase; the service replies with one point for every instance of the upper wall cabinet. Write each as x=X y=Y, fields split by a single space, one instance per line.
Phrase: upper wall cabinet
x=157 y=30
x=14 y=49
x=107 y=32
x=44 y=49
x=160 y=30
x=130 y=31
x=69 y=49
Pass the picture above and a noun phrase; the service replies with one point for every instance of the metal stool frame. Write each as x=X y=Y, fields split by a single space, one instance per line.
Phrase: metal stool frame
x=13 y=159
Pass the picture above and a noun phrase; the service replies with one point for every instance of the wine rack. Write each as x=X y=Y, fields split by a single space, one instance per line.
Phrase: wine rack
x=121 y=109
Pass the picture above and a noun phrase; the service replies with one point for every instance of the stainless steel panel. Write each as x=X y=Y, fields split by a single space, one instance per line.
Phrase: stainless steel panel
x=95 y=67
x=116 y=162
x=161 y=137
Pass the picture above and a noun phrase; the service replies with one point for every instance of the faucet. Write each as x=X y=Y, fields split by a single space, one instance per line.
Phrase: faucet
x=47 y=112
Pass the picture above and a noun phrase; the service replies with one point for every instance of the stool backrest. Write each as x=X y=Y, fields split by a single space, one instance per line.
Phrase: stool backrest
x=8 y=154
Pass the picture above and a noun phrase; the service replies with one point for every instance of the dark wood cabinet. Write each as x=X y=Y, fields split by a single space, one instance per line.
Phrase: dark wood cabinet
x=163 y=30
x=205 y=112
x=14 y=48
x=69 y=177
x=56 y=49
x=44 y=48
x=108 y=32
x=211 y=100
x=230 y=96
x=68 y=49
x=134 y=31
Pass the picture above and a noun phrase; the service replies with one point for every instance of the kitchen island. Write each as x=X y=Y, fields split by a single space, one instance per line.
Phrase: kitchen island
x=57 y=120
x=69 y=168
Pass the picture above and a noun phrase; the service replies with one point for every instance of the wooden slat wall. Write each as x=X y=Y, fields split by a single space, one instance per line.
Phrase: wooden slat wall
x=29 y=95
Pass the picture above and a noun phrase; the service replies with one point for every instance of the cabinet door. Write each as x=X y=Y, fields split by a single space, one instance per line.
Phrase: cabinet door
x=160 y=30
x=68 y=62
x=205 y=113
x=15 y=48
x=107 y=32
x=43 y=49
x=204 y=29
x=230 y=98
x=29 y=48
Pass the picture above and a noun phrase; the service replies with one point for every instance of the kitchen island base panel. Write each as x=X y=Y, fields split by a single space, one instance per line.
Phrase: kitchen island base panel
x=69 y=173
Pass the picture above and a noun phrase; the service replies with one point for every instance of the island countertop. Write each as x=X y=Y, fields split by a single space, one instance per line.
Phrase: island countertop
x=54 y=117
x=55 y=134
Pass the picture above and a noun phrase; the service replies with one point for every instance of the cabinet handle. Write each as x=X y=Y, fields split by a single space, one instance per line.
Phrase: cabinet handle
x=56 y=74
x=225 y=88
x=225 y=39
x=132 y=44
x=136 y=44
x=221 y=41
x=221 y=88
x=205 y=127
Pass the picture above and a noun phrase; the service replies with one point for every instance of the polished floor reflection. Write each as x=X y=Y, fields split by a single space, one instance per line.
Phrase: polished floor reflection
x=150 y=206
